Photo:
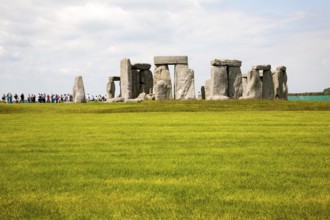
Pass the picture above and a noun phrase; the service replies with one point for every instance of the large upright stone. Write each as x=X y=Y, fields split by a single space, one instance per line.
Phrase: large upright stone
x=235 y=89
x=170 y=60
x=219 y=82
x=79 y=95
x=160 y=90
x=184 y=83
x=126 y=79
x=146 y=81
x=162 y=73
x=136 y=86
x=203 y=94
x=280 y=83
x=111 y=88
x=208 y=95
x=267 y=85
x=253 y=86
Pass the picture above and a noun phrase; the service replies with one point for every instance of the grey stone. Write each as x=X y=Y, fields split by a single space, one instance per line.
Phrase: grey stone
x=111 y=88
x=114 y=78
x=225 y=62
x=135 y=83
x=150 y=97
x=219 y=97
x=146 y=81
x=283 y=68
x=160 y=90
x=126 y=79
x=326 y=91
x=280 y=83
x=208 y=95
x=244 y=83
x=142 y=97
x=203 y=95
x=118 y=99
x=253 y=87
x=162 y=73
x=141 y=66
x=133 y=100
x=219 y=81
x=262 y=67
x=184 y=83
x=170 y=60
x=267 y=85
x=79 y=95
x=235 y=89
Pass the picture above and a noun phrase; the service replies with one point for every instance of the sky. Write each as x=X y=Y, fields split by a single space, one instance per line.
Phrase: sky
x=45 y=44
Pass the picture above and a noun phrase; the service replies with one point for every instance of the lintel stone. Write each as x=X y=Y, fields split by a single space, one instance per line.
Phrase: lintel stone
x=114 y=78
x=141 y=66
x=224 y=62
x=170 y=60
x=262 y=67
x=283 y=68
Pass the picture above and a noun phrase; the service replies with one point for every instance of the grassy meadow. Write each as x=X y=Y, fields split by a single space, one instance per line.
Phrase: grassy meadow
x=165 y=160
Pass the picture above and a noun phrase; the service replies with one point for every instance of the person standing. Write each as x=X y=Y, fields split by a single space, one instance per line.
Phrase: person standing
x=22 y=98
x=4 y=98
x=9 y=98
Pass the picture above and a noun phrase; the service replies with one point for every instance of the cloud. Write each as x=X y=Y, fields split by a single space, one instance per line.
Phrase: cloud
x=55 y=40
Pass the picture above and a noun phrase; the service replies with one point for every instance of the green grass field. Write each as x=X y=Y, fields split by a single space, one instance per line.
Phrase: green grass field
x=165 y=160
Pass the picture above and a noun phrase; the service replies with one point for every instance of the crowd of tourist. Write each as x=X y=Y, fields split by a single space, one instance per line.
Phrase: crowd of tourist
x=46 y=98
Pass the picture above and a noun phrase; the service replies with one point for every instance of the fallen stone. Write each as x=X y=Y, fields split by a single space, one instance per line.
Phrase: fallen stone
x=219 y=98
x=141 y=66
x=118 y=99
x=142 y=97
x=262 y=67
x=224 y=62
x=79 y=90
x=150 y=97
x=170 y=60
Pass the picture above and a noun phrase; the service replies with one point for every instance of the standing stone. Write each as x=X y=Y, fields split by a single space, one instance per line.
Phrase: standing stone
x=267 y=85
x=184 y=84
x=126 y=78
x=280 y=83
x=146 y=81
x=160 y=90
x=135 y=83
x=235 y=88
x=79 y=90
x=111 y=88
x=254 y=86
x=208 y=95
x=244 y=84
x=219 y=83
x=203 y=93
x=162 y=73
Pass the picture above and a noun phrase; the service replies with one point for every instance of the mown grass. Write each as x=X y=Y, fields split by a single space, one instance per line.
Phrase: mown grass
x=165 y=160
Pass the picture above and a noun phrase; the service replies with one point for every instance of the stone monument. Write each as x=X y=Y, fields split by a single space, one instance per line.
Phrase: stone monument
x=280 y=83
x=79 y=90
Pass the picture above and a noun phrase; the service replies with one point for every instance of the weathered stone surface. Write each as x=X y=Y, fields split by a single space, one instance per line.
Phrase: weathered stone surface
x=225 y=62
x=142 y=97
x=141 y=66
x=326 y=91
x=111 y=89
x=170 y=60
x=146 y=81
x=150 y=97
x=79 y=95
x=208 y=84
x=203 y=95
x=280 y=83
x=161 y=91
x=267 y=85
x=114 y=78
x=262 y=67
x=235 y=88
x=118 y=99
x=126 y=79
x=136 y=86
x=219 y=81
x=184 y=84
x=162 y=73
x=253 y=87
x=283 y=68
x=244 y=83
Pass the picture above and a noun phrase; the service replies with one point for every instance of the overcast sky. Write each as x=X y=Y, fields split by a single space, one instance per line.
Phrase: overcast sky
x=44 y=44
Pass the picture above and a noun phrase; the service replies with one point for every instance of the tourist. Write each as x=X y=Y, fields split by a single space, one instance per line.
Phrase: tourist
x=9 y=98
x=22 y=98
x=4 y=98
x=16 y=97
